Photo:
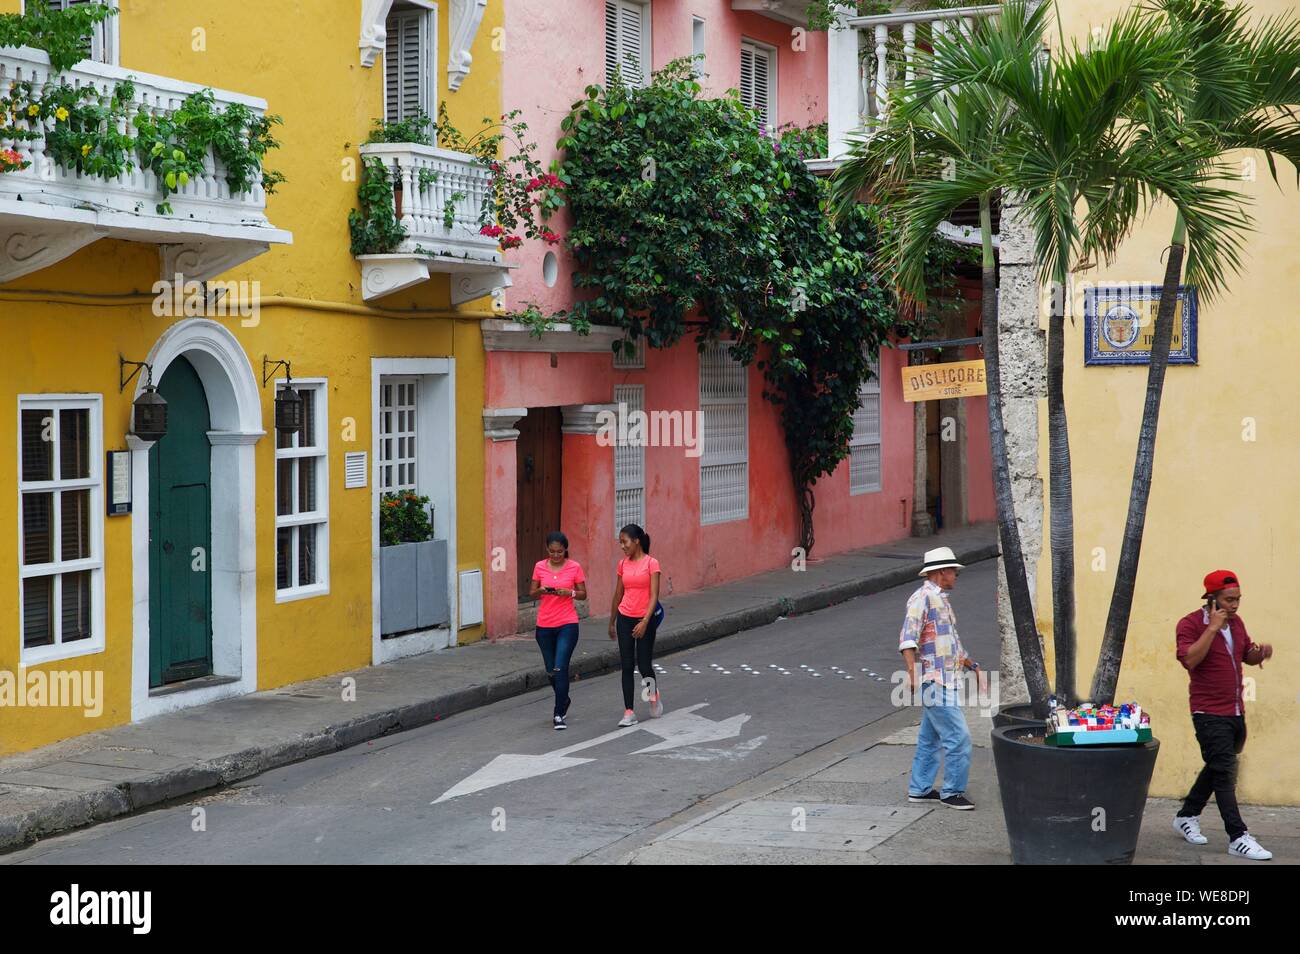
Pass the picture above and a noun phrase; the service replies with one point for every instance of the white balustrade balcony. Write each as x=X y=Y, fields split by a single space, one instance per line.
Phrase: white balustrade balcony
x=48 y=211
x=869 y=56
x=439 y=196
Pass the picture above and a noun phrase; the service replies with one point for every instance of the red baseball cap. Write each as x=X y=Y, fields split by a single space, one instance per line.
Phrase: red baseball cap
x=1218 y=580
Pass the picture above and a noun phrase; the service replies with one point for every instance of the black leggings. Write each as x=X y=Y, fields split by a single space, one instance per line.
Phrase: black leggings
x=635 y=653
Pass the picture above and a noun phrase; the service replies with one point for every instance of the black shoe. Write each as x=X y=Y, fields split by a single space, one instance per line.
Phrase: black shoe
x=930 y=796
x=958 y=802
x=558 y=722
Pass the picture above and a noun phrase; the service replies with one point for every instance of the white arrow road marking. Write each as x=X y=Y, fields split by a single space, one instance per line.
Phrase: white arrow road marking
x=678 y=728
x=681 y=728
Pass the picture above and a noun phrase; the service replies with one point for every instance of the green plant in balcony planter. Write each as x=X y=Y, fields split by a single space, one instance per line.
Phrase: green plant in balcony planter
x=404 y=518
x=374 y=226
x=63 y=34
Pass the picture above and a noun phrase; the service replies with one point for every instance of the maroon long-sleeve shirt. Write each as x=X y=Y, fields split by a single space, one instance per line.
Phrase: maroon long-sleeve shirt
x=1215 y=684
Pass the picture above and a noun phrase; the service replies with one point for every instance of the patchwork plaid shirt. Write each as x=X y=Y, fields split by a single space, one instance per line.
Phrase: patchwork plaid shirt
x=930 y=627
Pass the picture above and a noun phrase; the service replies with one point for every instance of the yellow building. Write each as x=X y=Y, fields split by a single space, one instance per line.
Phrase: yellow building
x=1223 y=493
x=249 y=558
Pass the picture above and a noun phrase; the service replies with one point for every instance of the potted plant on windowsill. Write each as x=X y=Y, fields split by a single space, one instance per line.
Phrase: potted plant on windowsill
x=412 y=567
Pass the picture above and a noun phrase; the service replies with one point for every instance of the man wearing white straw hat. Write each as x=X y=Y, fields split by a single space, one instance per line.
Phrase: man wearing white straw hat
x=929 y=636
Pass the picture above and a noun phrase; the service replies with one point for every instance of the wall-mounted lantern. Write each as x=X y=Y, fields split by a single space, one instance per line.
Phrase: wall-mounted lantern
x=288 y=404
x=149 y=411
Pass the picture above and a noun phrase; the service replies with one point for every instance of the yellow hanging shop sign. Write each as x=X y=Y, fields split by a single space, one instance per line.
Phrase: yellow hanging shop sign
x=956 y=379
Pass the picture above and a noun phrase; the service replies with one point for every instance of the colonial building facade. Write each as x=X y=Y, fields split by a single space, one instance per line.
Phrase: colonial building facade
x=725 y=508
x=226 y=554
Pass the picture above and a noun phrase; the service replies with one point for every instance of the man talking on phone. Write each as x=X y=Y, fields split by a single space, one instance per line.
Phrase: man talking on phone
x=1213 y=645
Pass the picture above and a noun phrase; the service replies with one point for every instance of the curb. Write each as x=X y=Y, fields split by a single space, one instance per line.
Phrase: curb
x=81 y=809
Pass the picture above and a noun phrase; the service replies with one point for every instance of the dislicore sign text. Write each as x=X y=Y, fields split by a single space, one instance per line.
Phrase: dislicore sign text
x=930 y=382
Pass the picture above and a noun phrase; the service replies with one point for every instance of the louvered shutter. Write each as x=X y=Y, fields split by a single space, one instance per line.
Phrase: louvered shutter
x=626 y=46
x=629 y=464
x=724 y=436
x=406 y=65
x=864 y=445
x=96 y=47
x=756 y=74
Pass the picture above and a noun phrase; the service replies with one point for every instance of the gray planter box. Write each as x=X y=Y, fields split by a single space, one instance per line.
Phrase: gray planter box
x=413 y=587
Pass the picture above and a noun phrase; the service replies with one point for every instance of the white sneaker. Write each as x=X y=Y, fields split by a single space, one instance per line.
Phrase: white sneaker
x=629 y=718
x=647 y=688
x=1190 y=828
x=1247 y=847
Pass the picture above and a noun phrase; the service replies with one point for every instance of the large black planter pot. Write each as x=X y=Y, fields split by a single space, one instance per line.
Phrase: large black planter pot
x=1021 y=713
x=1050 y=796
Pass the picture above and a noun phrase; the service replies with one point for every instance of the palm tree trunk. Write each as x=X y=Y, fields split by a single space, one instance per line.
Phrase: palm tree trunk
x=1061 y=501
x=1106 y=676
x=1013 y=558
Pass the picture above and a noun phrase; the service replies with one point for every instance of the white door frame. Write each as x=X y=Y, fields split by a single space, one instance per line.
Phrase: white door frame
x=435 y=410
x=235 y=416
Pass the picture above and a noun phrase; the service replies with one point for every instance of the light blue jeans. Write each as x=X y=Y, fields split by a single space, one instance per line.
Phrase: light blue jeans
x=943 y=724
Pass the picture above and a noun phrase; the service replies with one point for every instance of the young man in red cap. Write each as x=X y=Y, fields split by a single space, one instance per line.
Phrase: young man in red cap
x=1213 y=645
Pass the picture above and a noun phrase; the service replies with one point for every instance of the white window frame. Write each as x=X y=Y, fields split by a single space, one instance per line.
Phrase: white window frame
x=711 y=458
x=95 y=562
x=863 y=438
x=756 y=49
x=105 y=46
x=699 y=47
x=427 y=14
x=642 y=9
x=319 y=517
x=385 y=485
x=629 y=460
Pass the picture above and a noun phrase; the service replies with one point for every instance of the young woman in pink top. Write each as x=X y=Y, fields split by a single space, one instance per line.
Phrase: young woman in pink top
x=634 y=618
x=558 y=581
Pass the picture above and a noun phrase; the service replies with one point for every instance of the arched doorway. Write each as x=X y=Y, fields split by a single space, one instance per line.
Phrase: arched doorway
x=194 y=623
x=180 y=533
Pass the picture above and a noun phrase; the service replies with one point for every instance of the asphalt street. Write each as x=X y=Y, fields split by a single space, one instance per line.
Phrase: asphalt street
x=498 y=785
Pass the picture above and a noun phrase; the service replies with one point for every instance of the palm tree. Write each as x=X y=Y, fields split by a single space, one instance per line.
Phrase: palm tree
x=1240 y=90
x=928 y=156
x=1068 y=146
x=1067 y=133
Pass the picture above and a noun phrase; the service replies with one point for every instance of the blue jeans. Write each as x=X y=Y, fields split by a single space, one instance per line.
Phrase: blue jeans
x=557 y=644
x=942 y=724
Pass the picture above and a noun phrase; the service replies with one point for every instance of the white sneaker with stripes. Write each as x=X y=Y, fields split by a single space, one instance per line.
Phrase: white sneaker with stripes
x=1190 y=828
x=1247 y=847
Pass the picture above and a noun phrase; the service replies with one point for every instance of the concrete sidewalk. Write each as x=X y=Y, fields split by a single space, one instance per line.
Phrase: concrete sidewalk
x=103 y=775
x=852 y=797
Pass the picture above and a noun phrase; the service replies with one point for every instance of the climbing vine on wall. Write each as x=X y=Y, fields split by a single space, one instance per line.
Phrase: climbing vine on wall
x=690 y=216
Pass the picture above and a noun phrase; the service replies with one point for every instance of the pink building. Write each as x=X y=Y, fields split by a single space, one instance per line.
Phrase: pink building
x=726 y=509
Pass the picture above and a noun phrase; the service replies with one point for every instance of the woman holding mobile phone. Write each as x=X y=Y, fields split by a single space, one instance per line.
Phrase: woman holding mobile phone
x=635 y=617
x=558 y=581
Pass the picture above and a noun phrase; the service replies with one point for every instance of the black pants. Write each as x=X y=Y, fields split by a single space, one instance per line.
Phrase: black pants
x=635 y=653
x=1221 y=738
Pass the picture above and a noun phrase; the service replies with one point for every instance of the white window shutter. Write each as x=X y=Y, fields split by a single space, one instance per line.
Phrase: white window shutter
x=724 y=436
x=864 y=445
x=99 y=47
x=629 y=464
x=757 y=72
x=626 y=41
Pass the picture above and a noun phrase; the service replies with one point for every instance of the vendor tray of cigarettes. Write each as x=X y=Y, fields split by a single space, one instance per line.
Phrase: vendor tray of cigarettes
x=1099 y=725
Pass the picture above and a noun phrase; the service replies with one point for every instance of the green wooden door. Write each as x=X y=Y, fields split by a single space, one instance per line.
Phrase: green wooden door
x=180 y=533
